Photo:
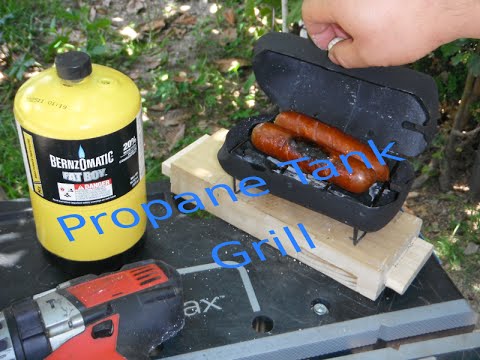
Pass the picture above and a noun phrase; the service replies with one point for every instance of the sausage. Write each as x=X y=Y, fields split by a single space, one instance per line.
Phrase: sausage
x=330 y=137
x=283 y=145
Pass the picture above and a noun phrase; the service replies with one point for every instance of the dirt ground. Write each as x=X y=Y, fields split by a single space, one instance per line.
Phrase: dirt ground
x=436 y=213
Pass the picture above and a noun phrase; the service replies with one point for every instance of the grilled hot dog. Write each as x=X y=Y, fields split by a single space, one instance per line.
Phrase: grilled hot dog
x=330 y=138
x=284 y=145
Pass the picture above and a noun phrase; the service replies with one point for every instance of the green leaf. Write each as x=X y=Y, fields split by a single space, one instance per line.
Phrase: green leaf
x=5 y=18
x=295 y=11
x=98 y=50
x=436 y=155
x=460 y=58
x=250 y=81
x=474 y=64
x=101 y=23
x=266 y=11
x=249 y=8
x=53 y=24
x=21 y=65
x=277 y=4
x=451 y=48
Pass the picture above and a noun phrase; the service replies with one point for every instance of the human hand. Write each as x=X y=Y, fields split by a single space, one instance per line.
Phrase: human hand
x=385 y=33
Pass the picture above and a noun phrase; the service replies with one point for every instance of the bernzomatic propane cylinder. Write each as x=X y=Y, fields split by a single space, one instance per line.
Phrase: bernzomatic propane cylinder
x=80 y=130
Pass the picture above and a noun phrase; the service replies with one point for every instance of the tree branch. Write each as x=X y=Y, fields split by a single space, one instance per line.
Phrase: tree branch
x=466 y=134
x=460 y=121
x=461 y=115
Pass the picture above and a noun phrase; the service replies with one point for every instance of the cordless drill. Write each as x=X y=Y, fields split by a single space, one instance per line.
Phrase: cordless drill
x=120 y=315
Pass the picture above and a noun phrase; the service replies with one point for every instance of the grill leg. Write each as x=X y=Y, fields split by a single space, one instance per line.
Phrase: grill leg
x=235 y=190
x=357 y=238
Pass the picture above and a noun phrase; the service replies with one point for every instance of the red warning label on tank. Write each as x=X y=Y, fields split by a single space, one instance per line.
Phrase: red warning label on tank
x=85 y=192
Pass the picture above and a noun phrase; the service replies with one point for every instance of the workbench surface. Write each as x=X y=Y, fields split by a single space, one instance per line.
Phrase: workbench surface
x=222 y=304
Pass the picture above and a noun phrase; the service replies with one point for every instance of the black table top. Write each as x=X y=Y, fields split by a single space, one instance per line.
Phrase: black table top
x=284 y=288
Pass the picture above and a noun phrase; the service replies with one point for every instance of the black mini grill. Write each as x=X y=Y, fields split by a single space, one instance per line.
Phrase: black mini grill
x=380 y=104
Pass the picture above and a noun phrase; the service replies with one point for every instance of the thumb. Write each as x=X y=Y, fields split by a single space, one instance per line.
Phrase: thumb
x=346 y=54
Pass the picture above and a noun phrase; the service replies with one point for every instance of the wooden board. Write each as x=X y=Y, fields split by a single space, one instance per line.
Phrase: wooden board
x=390 y=257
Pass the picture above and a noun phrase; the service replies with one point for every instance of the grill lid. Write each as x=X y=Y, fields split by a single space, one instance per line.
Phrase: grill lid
x=380 y=104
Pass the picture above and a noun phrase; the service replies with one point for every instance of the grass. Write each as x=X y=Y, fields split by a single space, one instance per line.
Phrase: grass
x=12 y=172
x=463 y=268
x=451 y=222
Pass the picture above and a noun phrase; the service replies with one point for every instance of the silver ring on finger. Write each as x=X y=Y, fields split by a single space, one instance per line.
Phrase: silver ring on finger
x=333 y=42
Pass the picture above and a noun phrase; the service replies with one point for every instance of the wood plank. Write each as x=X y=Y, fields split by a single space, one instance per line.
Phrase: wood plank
x=407 y=267
x=379 y=258
x=167 y=163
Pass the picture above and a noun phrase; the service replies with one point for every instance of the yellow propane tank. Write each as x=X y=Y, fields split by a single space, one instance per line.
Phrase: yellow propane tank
x=80 y=130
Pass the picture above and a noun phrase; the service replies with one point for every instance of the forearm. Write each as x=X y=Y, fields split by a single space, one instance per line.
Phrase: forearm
x=471 y=22
x=385 y=33
x=449 y=20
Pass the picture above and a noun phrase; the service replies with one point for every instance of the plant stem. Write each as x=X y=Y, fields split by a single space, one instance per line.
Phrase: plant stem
x=284 y=16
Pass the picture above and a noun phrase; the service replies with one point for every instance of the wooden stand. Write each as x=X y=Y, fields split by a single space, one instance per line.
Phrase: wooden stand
x=389 y=258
